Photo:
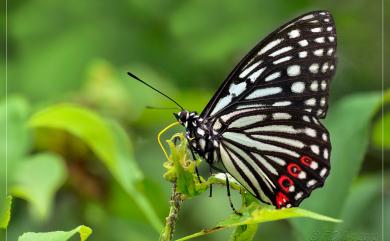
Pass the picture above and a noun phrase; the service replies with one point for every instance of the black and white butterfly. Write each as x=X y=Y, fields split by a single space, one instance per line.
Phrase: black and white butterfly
x=263 y=123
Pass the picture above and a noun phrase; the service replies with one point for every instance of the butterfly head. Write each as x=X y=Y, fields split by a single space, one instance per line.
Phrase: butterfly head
x=185 y=117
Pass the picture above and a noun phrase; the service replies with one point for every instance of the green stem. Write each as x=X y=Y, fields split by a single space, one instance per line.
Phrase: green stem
x=170 y=221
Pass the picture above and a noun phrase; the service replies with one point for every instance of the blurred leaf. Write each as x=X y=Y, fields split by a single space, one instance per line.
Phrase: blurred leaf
x=362 y=195
x=37 y=179
x=382 y=126
x=84 y=232
x=130 y=176
x=82 y=123
x=378 y=131
x=109 y=142
x=15 y=141
x=348 y=123
x=258 y=213
x=5 y=212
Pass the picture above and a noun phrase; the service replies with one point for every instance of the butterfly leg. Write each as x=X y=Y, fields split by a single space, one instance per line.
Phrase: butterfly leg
x=228 y=193
x=227 y=188
x=196 y=167
x=211 y=185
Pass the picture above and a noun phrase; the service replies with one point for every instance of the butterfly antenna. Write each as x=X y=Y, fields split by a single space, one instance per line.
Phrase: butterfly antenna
x=143 y=82
x=160 y=108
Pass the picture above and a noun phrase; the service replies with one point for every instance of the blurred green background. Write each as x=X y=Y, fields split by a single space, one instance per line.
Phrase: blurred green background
x=79 y=52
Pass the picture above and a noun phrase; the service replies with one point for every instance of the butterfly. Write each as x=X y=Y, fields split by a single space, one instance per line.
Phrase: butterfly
x=263 y=123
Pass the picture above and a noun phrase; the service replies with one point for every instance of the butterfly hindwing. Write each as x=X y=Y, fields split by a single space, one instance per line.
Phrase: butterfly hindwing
x=279 y=155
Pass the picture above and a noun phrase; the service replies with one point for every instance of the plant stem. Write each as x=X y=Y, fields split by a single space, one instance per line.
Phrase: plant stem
x=170 y=221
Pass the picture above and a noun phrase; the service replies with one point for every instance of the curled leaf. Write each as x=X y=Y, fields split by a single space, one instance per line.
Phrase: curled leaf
x=83 y=231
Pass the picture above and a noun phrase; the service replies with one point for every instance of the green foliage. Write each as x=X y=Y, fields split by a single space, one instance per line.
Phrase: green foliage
x=186 y=49
x=5 y=212
x=38 y=179
x=182 y=170
x=83 y=231
x=107 y=140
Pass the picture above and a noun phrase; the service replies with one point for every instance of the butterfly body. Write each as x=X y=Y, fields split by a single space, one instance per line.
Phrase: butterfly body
x=201 y=140
x=263 y=123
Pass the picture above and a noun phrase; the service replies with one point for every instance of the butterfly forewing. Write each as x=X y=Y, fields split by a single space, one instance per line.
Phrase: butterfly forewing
x=291 y=67
x=266 y=114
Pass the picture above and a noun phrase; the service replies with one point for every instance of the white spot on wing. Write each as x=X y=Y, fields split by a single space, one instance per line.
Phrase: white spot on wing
x=222 y=103
x=294 y=33
x=286 y=141
x=270 y=45
x=311 y=102
x=310 y=132
x=281 y=60
x=264 y=92
x=293 y=70
x=237 y=89
x=280 y=51
x=303 y=54
x=247 y=120
x=319 y=52
x=253 y=77
x=275 y=128
x=315 y=149
x=314 y=68
x=323 y=85
x=281 y=116
x=316 y=30
x=272 y=76
x=307 y=17
x=326 y=153
x=323 y=172
x=314 y=85
x=320 y=40
x=282 y=103
x=277 y=160
x=311 y=182
x=303 y=43
x=298 y=87
x=249 y=69
x=330 y=51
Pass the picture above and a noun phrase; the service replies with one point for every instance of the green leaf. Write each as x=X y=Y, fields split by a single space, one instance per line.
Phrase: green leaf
x=15 y=142
x=364 y=193
x=82 y=123
x=37 y=179
x=108 y=141
x=5 y=212
x=257 y=213
x=181 y=169
x=378 y=131
x=382 y=126
x=83 y=231
x=348 y=123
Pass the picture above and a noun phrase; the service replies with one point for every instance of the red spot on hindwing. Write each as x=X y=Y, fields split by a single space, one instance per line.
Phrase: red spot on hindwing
x=293 y=169
x=281 y=200
x=285 y=183
x=305 y=160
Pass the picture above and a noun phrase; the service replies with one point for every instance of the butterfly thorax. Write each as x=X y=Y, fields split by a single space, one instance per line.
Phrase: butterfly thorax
x=198 y=135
